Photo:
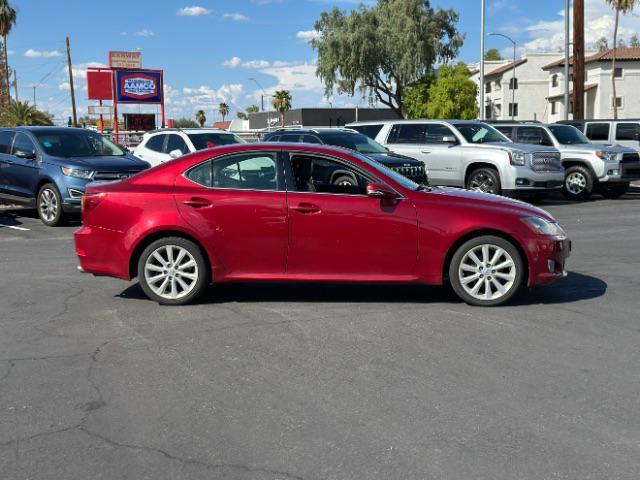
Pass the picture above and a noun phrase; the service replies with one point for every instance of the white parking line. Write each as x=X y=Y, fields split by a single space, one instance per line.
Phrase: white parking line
x=14 y=227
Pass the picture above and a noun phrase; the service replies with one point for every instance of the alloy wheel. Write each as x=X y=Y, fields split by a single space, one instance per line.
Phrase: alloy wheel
x=48 y=205
x=576 y=183
x=483 y=183
x=171 y=272
x=487 y=272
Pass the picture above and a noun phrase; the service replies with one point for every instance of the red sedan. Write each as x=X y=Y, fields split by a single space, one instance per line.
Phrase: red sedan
x=283 y=212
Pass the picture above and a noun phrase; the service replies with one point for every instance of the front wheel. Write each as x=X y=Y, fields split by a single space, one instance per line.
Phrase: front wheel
x=614 y=190
x=578 y=183
x=486 y=271
x=173 y=271
x=49 y=204
x=484 y=180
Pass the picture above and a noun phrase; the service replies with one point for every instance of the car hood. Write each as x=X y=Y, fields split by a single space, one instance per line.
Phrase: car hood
x=104 y=164
x=594 y=147
x=395 y=159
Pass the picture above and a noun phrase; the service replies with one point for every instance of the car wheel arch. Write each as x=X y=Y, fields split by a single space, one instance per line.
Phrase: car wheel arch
x=475 y=165
x=577 y=162
x=526 y=261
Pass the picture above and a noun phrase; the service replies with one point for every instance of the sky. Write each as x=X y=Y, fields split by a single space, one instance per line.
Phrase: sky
x=211 y=49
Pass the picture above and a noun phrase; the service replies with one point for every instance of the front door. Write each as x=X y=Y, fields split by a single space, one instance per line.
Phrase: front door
x=444 y=155
x=6 y=161
x=23 y=172
x=336 y=230
x=237 y=204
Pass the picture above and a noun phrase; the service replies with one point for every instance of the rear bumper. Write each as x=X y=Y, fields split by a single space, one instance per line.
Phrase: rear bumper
x=548 y=259
x=101 y=252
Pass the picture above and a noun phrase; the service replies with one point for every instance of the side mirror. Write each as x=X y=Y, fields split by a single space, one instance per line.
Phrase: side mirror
x=25 y=154
x=450 y=139
x=175 y=153
x=381 y=191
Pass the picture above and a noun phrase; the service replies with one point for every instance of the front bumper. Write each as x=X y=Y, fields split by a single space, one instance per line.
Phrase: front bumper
x=620 y=172
x=526 y=180
x=549 y=258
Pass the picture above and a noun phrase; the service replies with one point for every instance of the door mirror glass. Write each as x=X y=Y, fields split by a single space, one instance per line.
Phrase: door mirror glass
x=175 y=153
x=450 y=139
x=25 y=154
x=381 y=191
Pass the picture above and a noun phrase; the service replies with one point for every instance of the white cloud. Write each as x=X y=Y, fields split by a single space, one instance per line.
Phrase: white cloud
x=236 y=17
x=42 y=53
x=233 y=62
x=307 y=35
x=194 y=11
x=236 y=62
x=10 y=52
x=144 y=33
x=64 y=86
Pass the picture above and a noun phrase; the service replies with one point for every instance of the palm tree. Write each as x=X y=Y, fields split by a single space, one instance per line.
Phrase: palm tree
x=624 y=7
x=21 y=113
x=201 y=118
x=282 y=103
x=223 y=108
x=7 y=21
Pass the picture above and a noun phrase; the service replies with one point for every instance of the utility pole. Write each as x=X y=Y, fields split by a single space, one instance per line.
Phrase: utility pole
x=513 y=74
x=34 y=97
x=482 y=62
x=73 y=95
x=567 y=47
x=578 y=59
x=15 y=83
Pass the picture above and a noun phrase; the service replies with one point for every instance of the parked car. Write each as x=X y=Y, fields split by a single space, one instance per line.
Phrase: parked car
x=589 y=168
x=159 y=146
x=472 y=155
x=352 y=140
x=259 y=212
x=625 y=132
x=49 y=167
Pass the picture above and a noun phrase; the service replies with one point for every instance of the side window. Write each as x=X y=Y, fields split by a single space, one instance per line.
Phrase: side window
x=408 y=133
x=23 y=143
x=507 y=131
x=533 y=135
x=6 y=138
x=436 y=133
x=370 y=131
x=155 y=143
x=291 y=138
x=201 y=174
x=628 y=131
x=321 y=175
x=251 y=171
x=310 y=139
x=273 y=138
x=176 y=142
x=598 y=131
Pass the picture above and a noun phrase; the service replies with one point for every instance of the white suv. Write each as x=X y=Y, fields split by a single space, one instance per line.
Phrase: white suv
x=160 y=146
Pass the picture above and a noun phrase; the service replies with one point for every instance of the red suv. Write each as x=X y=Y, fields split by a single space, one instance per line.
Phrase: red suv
x=267 y=211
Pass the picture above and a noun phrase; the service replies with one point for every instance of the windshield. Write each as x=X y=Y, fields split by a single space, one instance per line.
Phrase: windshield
x=398 y=178
x=209 y=140
x=353 y=141
x=568 y=135
x=75 y=143
x=480 y=133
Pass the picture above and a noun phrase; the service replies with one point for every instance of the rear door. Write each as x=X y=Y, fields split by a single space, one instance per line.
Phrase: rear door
x=598 y=132
x=23 y=172
x=152 y=150
x=409 y=139
x=6 y=161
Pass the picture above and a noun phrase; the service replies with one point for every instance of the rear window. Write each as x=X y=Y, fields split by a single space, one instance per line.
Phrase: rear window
x=628 y=131
x=202 y=141
x=155 y=143
x=370 y=131
x=598 y=131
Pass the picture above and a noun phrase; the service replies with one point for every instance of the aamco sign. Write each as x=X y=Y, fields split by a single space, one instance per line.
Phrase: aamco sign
x=138 y=86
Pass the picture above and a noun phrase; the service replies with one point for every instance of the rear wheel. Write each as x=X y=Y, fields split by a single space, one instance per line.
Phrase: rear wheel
x=484 y=180
x=578 y=183
x=173 y=271
x=614 y=190
x=49 y=205
x=486 y=271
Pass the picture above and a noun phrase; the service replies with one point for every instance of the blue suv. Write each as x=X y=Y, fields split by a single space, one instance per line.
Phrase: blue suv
x=49 y=167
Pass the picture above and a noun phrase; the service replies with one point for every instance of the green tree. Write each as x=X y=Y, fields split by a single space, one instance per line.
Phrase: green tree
x=384 y=49
x=247 y=111
x=223 y=108
x=22 y=114
x=634 y=41
x=416 y=97
x=7 y=22
x=185 y=123
x=621 y=7
x=602 y=44
x=282 y=103
x=493 y=54
x=201 y=118
x=453 y=94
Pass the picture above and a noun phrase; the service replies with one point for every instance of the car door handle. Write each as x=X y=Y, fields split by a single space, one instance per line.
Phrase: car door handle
x=8 y=162
x=425 y=151
x=197 y=202
x=306 y=208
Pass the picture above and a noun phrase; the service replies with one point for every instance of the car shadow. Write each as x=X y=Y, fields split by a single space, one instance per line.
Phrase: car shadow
x=72 y=220
x=574 y=287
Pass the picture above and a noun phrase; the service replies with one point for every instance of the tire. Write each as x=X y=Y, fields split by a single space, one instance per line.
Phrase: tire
x=175 y=278
x=578 y=183
x=614 y=190
x=345 y=180
x=49 y=206
x=478 y=285
x=484 y=180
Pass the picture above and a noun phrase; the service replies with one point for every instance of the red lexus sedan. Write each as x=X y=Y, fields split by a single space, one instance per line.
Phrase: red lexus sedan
x=250 y=212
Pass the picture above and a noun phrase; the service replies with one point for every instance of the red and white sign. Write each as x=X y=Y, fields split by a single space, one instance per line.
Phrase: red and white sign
x=100 y=109
x=126 y=60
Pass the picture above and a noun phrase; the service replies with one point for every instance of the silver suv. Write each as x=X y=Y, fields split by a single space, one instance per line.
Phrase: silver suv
x=472 y=155
x=589 y=167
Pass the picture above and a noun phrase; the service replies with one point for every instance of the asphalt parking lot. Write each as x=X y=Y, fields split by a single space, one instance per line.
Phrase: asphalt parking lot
x=321 y=382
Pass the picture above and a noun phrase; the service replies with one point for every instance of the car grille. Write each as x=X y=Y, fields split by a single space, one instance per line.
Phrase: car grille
x=546 y=162
x=112 y=176
x=410 y=172
x=630 y=158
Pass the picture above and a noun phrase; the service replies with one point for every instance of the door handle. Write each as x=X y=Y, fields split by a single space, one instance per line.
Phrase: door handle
x=306 y=208
x=8 y=162
x=197 y=202
x=425 y=151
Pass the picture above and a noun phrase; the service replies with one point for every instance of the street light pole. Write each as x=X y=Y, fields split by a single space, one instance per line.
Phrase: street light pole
x=567 y=40
x=513 y=76
x=264 y=94
x=482 y=112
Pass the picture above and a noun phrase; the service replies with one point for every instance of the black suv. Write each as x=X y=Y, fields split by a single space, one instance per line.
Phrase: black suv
x=352 y=140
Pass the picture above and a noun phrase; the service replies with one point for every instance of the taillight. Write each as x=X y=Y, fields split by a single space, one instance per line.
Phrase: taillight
x=91 y=200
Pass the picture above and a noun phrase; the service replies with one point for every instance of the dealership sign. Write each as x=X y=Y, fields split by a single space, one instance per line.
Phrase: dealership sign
x=138 y=86
x=126 y=60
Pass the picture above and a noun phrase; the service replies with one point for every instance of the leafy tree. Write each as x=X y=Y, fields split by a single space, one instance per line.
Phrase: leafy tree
x=624 y=7
x=602 y=44
x=223 y=108
x=282 y=103
x=416 y=97
x=453 y=94
x=247 y=111
x=185 y=123
x=201 y=118
x=22 y=114
x=493 y=54
x=7 y=22
x=634 y=41
x=384 y=49
x=242 y=115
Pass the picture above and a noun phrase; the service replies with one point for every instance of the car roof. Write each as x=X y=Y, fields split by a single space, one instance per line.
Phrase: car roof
x=417 y=120
x=42 y=128
x=188 y=130
x=319 y=130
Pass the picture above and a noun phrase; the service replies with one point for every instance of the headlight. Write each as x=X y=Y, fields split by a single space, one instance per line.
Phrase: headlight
x=542 y=226
x=78 y=172
x=518 y=158
x=608 y=156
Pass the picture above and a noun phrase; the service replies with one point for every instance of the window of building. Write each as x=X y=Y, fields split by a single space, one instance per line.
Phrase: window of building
x=513 y=109
x=598 y=131
x=554 y=107
x=554 y=80
x=618 y=72
x=487 y=112
x=618 y=102
x=487 y=87
x=513 y=83
x=628 y=131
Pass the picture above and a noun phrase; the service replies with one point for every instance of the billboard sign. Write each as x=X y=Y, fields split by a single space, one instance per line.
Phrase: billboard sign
x=139 y=121
x=142 y=86
x=99 y=85
x=126 y=60
x=100 y=109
